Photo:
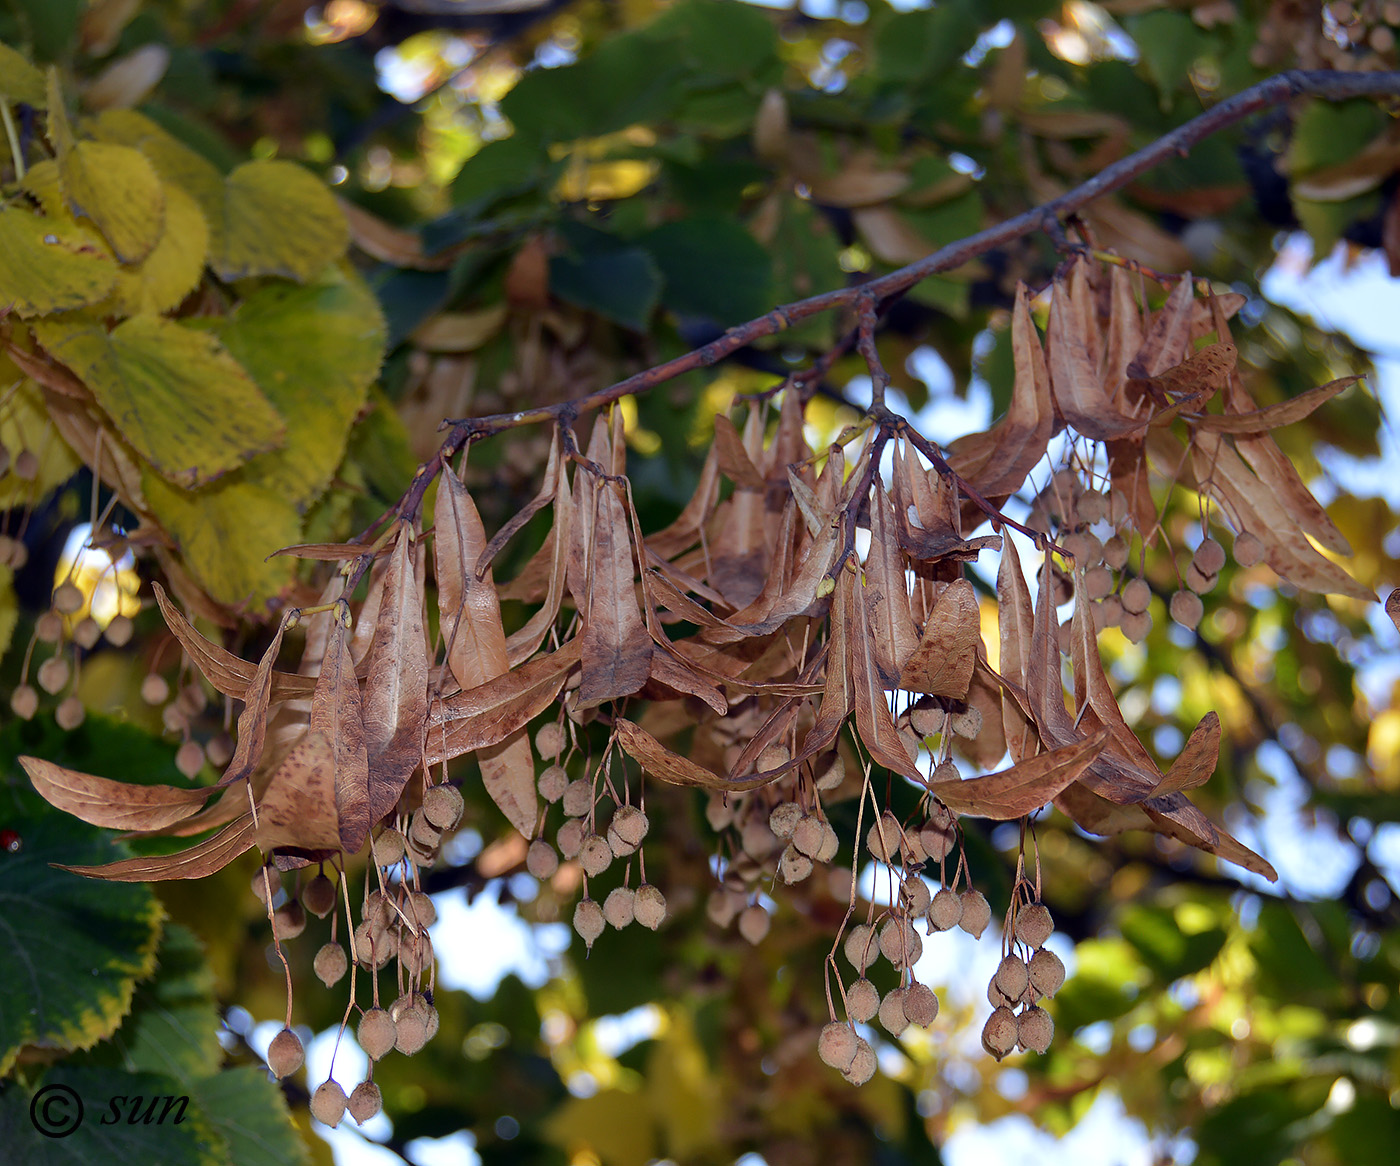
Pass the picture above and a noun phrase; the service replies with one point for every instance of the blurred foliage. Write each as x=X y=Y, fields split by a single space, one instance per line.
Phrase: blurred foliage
x=543 y=200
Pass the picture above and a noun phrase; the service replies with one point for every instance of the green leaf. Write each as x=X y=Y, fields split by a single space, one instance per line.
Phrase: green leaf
x=805 y=262
x=71 y=948
x=498 y=170
x=1328 y=133
x=277 y=218
x=1170 y=44
x=46 y=265
x=114 y=186
x=224 y=534
x=20 y=82
x=918 y=46
x=1164 y=947
x=177 y=396
x=250 y=1111
x=314 y=351
x=173 y=1027
x=605 y=276
x=713 y=268
x=125 y=1117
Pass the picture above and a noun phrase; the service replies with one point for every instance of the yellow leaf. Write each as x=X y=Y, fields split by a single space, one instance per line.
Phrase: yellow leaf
x=170 y=272
x=9 y=607
x=114 y=186
x=181 y=401
x=24 y=424
x=47 y=266
x=175 y=162
x=22 y=82
x=276 y=219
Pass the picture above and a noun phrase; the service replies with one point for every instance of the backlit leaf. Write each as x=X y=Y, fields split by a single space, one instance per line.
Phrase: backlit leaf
x=276 y=218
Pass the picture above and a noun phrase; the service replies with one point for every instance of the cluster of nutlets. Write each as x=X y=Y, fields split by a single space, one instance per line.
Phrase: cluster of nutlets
x=1022 y=981
x=583 y=838
x=394 y=923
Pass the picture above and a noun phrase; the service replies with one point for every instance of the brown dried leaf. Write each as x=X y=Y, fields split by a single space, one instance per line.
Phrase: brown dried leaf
x=1015 y=623
x=548 y=492
x=1274 y=416
x=734 y=459
x=324 y=552
x=252 y=721
x=298 y=807
x=204 y=858
x=1392 y=607
x=683 y=533
x=525 y=642
x=678 y=676
x=337 y=715
x=874 y=721
x=894 y=637
x=664 y=765
x=228 y=673
x=1168 y=340
x=1196 y=762
x=1023 y=788
x=942 y=663
x=117 y=805
x=486 y=715
x=1075 y=383
x=396 y=690
x=615 y=645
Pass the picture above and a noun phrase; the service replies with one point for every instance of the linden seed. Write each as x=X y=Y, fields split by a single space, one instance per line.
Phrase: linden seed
x=416 y=952
x=1136 y=626
x=1186 y=608
x=541 y=859
x=365 y=1102
x=1115 y=552
x=884 y=837
x=328 y=1103
x=70 y=713
x=189 y=758
x=389 y=848
x=1034 y=925
x=830 y=844
x=219 y=750
x=837 y=1045
x=410 y=1033
x=916 y=894
x=376 y=1033
x=976 y=913
x=860 y=946
x=420 y=909
x=330 y=964
x=649 y=907
x=318 y=896
x=1209 y=557
x=1034 y=1029
x=927 y=721
x=285 y=1055
x=118 y=631
x=191 y=700
x=1248 y=549
x=373 y=951
x=945 y=771
x=589 y=921
x=54 y=673
x=630 y=827
x=967 y=724
x=756 y=839
x=1136 y=596
x=783 y=820
x=595 y=855
x=996 y=997
x=862 y=1065
x=154 y=689
x=48 y=628
x=945 y=911
x=920 y=1005
x=1047 y=973
x=1011 y=977
x=578 y=797
x=833 y=775
x=19 y=554
x=999 y=1033
x=794 y=866
x=68 y=598
x=422 y=833
x=938 y=837
x=442 y=806
x=862 y=1001
x=288 y=921
x=892 y=1011
x=422 y=855
x=900 y=942
x=772 y=757
x=754 y=922
x=620 y=907
x=718 y=812
x=1091 y=507
x=1197 y=581
x=173 y=719
x=553 y=781
x=26 y=465
x=551 y=739
x=807 y=835
x=24 y=702
x=87 y=633
x=266 y=877
x=1098 y=582
x=1111 y=610
x=570 y=838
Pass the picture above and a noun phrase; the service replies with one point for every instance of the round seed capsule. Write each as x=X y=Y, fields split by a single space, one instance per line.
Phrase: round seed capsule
x=830 y=844
x=24 y=702
x=1098 y=582
x=285 y=1054
x=589 y=921
x=649 y=907
x=410 y=1032
x=884 y=837
x=328 y=1103
x=999 y=1033
x=318 y=896
x=578 y=798
x=365 y=1102
x=87 y=632
x=833 y=775
x=388 y=848
x=1186 y=609
x=68 y=598
x=862 y=1064
x=946 y=910
x=551 y=739
x=154 y=689
x=1198 y=582
x=1034 y=925
x=976 y=913
x=627 y=830
x=917 y=897
x=570 y=838
x=807 y=834
x=1047 y=973
x=376 y=1033
x=1012 y=977
x=595 y=855
x=70 y=713
x=754 y=922
x=619 y=908
x=920 y=1005
x=1115 y=552
x=330 y=964
x=772 y=757
x=967 y=724
x=1248 y=549
x=442 y=806
x=927 y=721
x=53 y=674
x=189 y=758
x=837 y=1045
x=288 y=921
x=793 y=866
x=1209 y=557
x=784 y=818
x=1136 y=596
x=48 y=628
x=892 y=1011
x=553 y=782
x=900 y=942
x=118 y=631
x=861 y=946
x=1136 y=626
x=862 y=1001
x=26 y=465
x=1034 y=1029
x=541 y=859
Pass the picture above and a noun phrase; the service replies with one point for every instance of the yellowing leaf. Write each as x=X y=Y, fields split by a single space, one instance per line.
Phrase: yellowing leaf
x=114 y=186
x=173 y=269
x=47 y=266
x=20 y=82
x=177 y=396
x=314 y=351
x=277 y=218
x=25 y=424
x=224 y=533
x=175 y=162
